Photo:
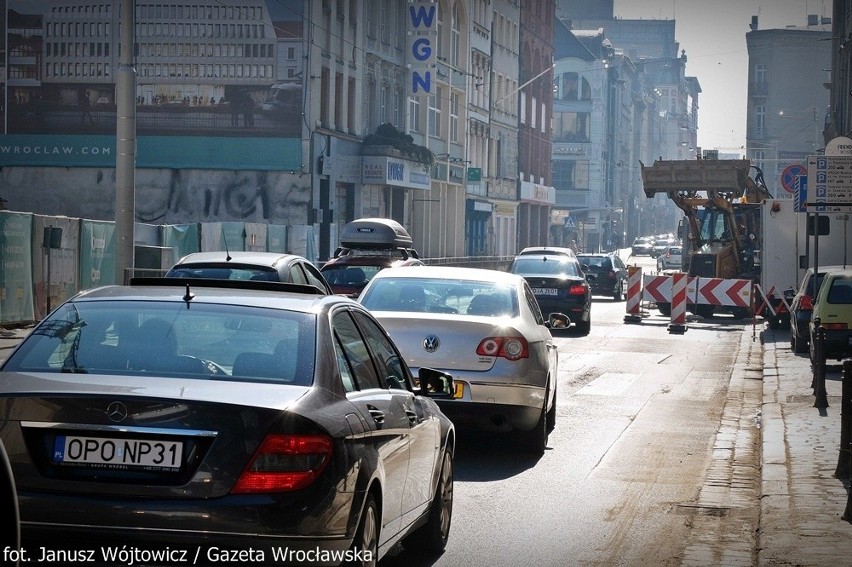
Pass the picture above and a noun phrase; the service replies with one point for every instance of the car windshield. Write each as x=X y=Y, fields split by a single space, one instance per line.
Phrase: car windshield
x=237 y=272
x=168 y=339
x=545 y=266
x=440 y=295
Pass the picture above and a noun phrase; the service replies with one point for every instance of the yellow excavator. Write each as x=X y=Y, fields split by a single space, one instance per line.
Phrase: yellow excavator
x=721 y=202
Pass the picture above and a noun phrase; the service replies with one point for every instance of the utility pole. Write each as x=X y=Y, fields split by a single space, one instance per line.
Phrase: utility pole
x=125 y=165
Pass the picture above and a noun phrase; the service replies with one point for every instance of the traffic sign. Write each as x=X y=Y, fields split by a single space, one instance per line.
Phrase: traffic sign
x=829 y=184
x=790 y=177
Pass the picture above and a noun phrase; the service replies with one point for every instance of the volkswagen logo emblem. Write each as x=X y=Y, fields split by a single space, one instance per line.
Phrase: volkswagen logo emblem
x=116 y=412
x=431 y=343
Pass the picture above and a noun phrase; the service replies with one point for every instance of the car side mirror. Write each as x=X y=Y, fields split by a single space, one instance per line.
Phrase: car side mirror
x=557 y=321
x=435 y=384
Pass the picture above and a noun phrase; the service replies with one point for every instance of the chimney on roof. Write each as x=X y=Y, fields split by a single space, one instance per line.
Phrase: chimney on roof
x=753 y=24
x=813 y=19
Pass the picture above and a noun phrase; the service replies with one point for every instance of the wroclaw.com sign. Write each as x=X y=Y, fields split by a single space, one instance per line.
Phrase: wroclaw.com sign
x=39 y=150
x=262 y=154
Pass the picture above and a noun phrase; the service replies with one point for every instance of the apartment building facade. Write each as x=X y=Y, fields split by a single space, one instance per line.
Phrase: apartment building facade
x=788 y=95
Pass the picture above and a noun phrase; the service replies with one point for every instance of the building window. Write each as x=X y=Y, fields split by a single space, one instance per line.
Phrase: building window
x=760 y=74
x=454 y=117
x=414 y=114
x=435 y=112
x=760 y=120
x=570 y=174
x=384 y=111
x=567 y=86
x=455 y=37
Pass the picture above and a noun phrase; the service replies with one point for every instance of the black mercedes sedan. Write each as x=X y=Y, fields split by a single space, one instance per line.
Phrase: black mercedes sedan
x=223 y=422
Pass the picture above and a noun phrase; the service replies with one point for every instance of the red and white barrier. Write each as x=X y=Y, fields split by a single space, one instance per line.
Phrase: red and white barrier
x=658 y=288
x=705 y=291
x=634 y=294
x=731 y=293
x=678 y=314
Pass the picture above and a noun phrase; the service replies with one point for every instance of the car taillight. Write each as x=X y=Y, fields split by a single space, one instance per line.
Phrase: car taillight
x=577 y=289
x=806 y=303
x=835 y=326
x=511 y=348
x=285 y=462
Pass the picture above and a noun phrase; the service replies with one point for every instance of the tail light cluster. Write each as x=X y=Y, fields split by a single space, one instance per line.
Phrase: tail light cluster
x=577 y=289
x=510 y=348
x=285 y=462
x=835 y=326
x=806 y=303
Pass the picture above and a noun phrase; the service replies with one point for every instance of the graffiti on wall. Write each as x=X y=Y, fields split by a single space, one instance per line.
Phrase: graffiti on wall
x=167 y=196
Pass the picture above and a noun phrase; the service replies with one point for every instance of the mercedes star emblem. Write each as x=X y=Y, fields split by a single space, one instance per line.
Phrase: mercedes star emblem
x=116 y=412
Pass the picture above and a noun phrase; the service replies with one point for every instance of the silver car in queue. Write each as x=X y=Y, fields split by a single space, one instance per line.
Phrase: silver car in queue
x=486 y=329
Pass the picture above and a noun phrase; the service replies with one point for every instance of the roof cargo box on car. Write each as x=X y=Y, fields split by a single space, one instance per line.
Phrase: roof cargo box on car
x=375 y=234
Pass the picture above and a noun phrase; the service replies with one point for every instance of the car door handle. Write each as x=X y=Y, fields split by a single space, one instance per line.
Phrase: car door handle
x=378 y=415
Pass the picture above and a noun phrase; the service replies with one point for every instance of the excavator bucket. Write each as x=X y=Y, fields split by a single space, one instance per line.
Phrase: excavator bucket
x=723 y=176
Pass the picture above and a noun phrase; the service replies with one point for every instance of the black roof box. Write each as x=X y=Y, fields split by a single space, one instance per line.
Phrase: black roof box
x=374 y=234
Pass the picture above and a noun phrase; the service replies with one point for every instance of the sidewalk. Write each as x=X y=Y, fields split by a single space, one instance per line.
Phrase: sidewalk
x=802 y=502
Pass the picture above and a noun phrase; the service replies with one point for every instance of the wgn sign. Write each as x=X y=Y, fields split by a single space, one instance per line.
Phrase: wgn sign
x=422 y=39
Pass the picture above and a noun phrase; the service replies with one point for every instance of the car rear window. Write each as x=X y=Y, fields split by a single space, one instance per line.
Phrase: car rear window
x=225 y=273
x=545 y=266
x=841 y=291
x=599 y=262
x=166 y=339
x=441 y=296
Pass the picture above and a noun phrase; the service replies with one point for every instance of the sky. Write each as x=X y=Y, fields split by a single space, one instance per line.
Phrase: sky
x=713 y=34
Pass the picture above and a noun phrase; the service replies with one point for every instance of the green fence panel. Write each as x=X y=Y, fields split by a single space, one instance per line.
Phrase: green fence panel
x=229 y=236
x=97 y=253
x=276 y=238
x=16 y=267
x=183 y=238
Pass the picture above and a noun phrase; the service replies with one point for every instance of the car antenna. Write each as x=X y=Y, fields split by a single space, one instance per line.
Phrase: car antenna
x=189 y=296
x=227 y=252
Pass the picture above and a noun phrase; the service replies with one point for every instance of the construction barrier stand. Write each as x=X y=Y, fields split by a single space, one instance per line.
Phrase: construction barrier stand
x=634 y=294
x=678 y=310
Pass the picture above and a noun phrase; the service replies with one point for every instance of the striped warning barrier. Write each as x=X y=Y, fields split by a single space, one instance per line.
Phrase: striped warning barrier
x=634 y=294
x=705 y=291
x=678 y=314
